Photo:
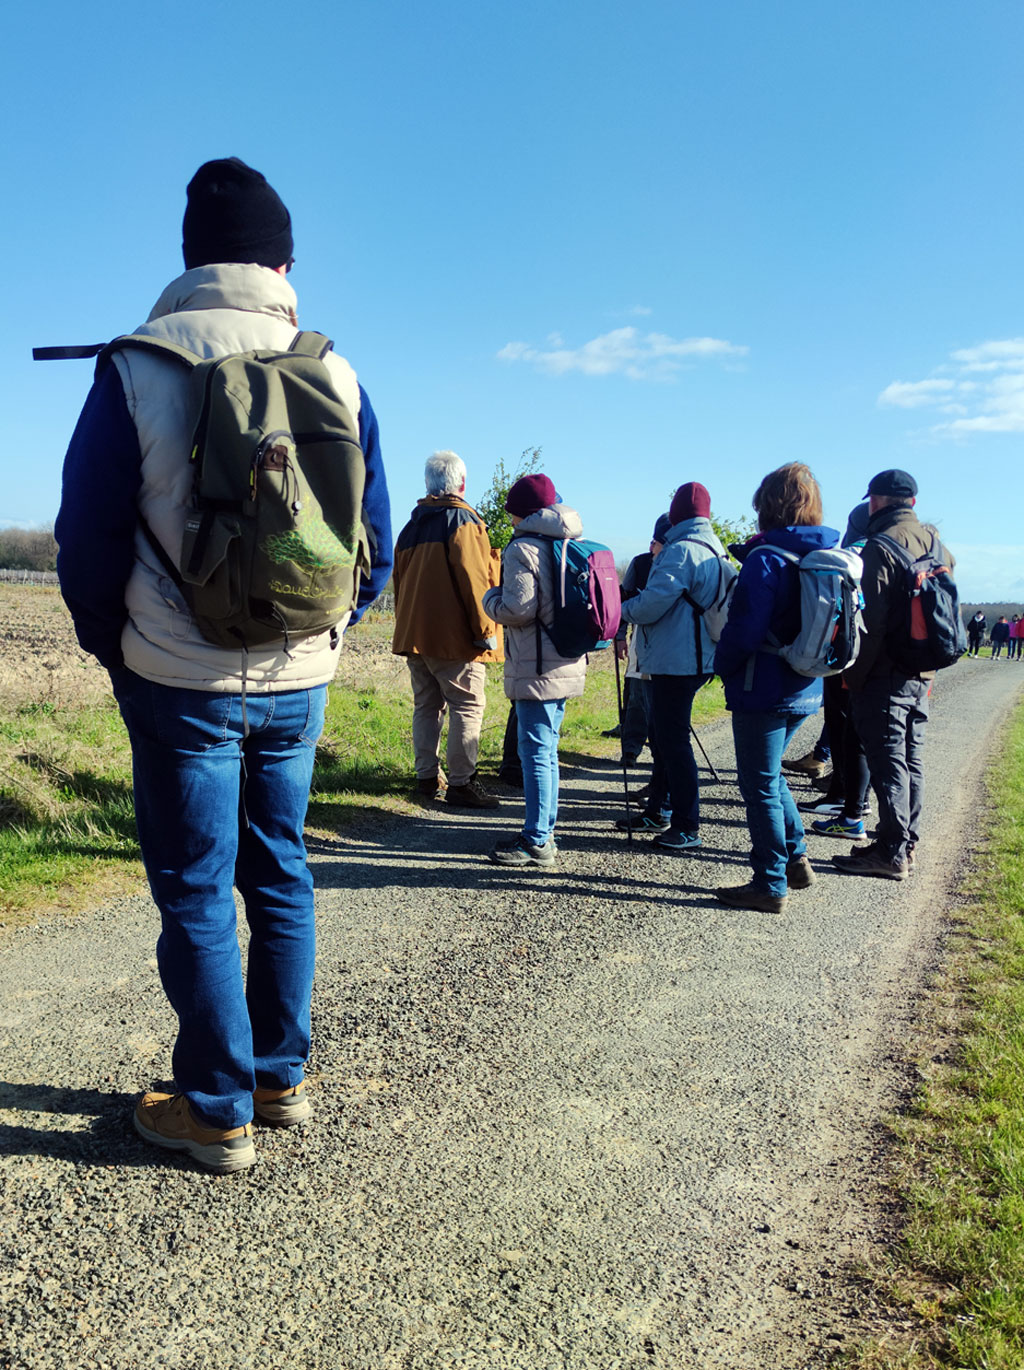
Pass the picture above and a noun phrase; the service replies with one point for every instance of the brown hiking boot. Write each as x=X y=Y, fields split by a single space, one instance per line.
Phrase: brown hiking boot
x=282 y=1107
x=806 y=765
x=167 y=1120
x=750 y=897
x=799 y=874
x=472 y=795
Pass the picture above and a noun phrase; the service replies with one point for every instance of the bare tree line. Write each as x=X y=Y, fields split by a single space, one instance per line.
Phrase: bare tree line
x=28 y=549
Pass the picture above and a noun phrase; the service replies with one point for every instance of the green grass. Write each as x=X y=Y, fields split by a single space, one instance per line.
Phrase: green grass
x=66 y=817
x=960 y=1266
x=67 y=828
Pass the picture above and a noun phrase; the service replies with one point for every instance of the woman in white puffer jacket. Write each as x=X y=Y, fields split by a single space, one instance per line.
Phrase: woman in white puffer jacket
x=537 y=679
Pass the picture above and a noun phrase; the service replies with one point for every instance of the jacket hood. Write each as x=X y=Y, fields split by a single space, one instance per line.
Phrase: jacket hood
x=798 y=540
x=889 y=517
x=556 y=521
x=691 y=528
x=228 y=285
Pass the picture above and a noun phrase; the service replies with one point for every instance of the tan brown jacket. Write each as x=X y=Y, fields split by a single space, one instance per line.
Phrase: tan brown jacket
x=444 y=564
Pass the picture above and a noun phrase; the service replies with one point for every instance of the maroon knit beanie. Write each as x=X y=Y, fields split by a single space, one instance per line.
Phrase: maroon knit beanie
x=690 y=501
x=529 y=494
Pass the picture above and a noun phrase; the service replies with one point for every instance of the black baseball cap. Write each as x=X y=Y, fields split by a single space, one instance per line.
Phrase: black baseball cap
x=893 y=485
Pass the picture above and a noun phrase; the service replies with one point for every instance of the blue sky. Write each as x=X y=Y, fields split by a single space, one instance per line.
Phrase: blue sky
x=661 y=241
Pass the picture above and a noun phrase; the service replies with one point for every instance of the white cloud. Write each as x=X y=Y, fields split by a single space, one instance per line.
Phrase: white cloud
x=981 y=390
x=623 y=351
x=913 y=394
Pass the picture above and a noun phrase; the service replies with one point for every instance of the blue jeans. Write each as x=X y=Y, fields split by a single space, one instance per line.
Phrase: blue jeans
x=202 y=832
x=674 y=783
x=776 y=829
x=539 y=723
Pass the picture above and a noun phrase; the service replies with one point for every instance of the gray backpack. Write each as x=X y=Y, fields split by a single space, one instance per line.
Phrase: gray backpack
x=830 y=611
x=274 y=543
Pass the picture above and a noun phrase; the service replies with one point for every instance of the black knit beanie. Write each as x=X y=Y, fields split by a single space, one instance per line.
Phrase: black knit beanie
x=233 y=215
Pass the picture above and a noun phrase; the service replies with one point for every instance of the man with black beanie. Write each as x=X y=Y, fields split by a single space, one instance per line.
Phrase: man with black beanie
x=203 y=719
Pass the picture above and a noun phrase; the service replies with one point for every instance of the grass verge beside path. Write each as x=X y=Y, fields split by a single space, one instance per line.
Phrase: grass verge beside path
x=67 y=824
x=960 y=1266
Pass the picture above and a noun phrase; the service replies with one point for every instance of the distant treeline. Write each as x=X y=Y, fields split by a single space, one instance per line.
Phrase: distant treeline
x=27 y=549
x=992 y=612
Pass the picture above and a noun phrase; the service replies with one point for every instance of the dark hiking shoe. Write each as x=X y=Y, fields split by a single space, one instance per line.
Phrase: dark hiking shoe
x=645 y=822
x=510 y=777
x=868 y=860
x=282 y=1107
x=750 y=897
x=524 y=854
x=799 y=875
x=472 y=795
x=431 y=787
x=167 y=1120
x=677 y=841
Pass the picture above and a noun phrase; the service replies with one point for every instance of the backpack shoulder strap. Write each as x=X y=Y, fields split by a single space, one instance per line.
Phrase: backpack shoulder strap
x=160 y=347
x=781 y=551
x=310 y=344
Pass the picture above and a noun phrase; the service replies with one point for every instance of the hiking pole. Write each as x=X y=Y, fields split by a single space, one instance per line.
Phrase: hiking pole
x=625 y=777
x=700 y=744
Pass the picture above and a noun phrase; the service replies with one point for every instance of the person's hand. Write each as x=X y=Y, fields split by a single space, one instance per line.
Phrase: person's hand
x=621 y=648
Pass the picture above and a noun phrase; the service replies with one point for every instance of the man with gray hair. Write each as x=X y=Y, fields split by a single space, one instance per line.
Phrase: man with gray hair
x=444 y=564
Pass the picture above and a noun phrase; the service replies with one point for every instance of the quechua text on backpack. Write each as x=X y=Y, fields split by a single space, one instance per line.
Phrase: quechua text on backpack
x=587 y=602
x=931 y=634
x=274 y=544
x=828 y=638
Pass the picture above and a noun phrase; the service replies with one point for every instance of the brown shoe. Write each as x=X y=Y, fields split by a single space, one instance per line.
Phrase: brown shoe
x=806 y=765
x=799 y=874
x=472 y=795
x=750 y=897
x=166 y=1120
x=282 y=1107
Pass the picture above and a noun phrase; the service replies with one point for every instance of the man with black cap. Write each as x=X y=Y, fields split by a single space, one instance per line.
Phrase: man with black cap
x=889 y=708
x=200 y=722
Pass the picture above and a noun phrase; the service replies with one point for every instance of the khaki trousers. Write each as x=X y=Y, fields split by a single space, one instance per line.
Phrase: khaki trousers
x=455 y=686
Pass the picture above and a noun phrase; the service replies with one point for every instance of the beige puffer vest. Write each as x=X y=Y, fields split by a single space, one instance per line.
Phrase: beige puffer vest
x=213 y=311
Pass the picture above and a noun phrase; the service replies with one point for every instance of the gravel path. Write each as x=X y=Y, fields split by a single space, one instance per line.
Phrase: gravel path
x=587 y=1120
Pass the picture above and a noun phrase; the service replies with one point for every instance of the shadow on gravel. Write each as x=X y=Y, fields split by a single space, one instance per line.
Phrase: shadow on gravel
x=95 y=1127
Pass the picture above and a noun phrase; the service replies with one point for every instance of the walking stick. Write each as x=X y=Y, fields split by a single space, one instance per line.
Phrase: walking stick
x=700 y=744
x=625 y=776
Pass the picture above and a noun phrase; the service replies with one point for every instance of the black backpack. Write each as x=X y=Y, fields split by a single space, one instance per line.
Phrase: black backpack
x=931 y=633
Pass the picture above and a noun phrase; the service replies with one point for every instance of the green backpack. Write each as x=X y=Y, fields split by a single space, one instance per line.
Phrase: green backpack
x=274 y=544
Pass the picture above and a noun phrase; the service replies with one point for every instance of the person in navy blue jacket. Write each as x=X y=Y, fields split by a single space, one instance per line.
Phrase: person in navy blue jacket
x=767 y=698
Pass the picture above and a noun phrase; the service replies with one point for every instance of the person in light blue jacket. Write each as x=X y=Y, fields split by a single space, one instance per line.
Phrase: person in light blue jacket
x=674 y=648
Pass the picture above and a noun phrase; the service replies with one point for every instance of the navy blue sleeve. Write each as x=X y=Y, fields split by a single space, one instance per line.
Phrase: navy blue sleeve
x=750 y=614
x=376 y=509
x=95 y=528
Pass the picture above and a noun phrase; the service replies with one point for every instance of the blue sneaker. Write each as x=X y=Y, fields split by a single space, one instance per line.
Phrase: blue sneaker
x=839 y=826
x=678 y=841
